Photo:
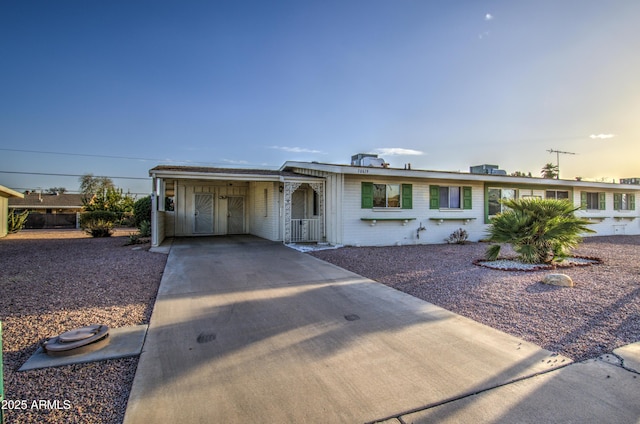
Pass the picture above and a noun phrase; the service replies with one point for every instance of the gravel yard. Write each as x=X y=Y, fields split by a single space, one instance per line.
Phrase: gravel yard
x=54 y=281
x=598 y=315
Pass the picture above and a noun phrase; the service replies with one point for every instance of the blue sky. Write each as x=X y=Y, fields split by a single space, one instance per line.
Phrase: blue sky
x=439 y=84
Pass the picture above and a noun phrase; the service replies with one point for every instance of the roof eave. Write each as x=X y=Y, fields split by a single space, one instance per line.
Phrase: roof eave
x=7 y=192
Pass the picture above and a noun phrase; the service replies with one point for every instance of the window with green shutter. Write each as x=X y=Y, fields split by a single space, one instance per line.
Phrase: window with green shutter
x=449 y=197
x=617 y=201
x=624 y=201
x=374 y=195
x=593 y=201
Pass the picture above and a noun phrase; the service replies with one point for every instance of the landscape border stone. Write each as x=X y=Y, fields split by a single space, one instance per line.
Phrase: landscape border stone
x=588 y=261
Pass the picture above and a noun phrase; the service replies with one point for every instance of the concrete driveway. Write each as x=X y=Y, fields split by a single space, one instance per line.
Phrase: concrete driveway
x=249 y=331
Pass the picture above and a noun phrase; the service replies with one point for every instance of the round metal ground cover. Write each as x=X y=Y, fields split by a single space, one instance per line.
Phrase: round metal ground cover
x=80 y=340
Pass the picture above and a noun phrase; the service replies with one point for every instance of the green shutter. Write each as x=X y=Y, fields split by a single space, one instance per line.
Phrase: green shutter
x=367 y=195
x=602 y=205
x=617 y=201
x=632 y=202
x=407 y=196
x=434 y=197
x=466 y=197
x=583 y=200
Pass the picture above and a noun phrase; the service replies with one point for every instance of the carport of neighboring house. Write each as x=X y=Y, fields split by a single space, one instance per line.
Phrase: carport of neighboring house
x=275 y=205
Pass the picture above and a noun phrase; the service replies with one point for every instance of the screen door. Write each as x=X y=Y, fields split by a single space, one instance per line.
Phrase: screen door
x=203 y=214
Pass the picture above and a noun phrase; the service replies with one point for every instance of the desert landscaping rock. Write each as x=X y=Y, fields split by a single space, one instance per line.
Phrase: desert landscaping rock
x=560 y=280
x=55 y=281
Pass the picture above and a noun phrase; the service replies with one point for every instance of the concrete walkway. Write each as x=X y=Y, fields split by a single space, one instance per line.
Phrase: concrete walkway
x=249 y=331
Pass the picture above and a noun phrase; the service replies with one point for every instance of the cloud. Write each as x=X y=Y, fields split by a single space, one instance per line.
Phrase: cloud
x=601 y=136
x=235 y=162
x=488 y=17
x=397 y=151
x=295 y=149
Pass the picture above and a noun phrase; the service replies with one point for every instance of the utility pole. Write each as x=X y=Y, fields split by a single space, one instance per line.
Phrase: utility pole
x=558 y=152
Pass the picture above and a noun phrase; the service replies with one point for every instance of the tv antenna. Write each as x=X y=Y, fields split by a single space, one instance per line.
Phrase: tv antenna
x=558 y=152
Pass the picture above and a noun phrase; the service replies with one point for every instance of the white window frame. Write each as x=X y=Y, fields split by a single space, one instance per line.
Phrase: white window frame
x=450 y=195
x=387 y=187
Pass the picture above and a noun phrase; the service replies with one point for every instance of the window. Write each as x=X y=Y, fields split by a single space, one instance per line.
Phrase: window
x=497 y=194
x=393 y=196
x=449 y=197
x=624 y=202
x=386 y=195
x=557 y=194
x=594 y=201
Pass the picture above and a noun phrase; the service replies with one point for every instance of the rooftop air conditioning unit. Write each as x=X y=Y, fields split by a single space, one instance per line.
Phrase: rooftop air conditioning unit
x=368 y=159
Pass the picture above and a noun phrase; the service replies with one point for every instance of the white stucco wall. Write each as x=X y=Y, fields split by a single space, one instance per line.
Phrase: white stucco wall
x=366 y=233
x=609 y=222
x=440 y=223
x=264 y=217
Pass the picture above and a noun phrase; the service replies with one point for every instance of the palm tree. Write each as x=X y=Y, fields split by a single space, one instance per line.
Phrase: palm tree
x=550 y=171
x=540 y=231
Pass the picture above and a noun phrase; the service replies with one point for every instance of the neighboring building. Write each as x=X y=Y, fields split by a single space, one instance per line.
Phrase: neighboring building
x=630 y=181
x=49 y=210
x=5 y=195
x=487 y=169
x=363 y=205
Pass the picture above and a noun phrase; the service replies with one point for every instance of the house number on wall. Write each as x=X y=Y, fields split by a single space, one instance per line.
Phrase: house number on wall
x=363 y=171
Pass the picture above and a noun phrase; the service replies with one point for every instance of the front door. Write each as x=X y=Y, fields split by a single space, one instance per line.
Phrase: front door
x=235 y=215
x=203 y=213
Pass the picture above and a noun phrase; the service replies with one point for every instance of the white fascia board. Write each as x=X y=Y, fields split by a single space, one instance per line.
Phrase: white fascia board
x=212 y=176
x=455 y=176
x=7 y=192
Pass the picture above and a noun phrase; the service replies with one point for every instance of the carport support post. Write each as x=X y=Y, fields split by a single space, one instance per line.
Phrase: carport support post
x=154 y=214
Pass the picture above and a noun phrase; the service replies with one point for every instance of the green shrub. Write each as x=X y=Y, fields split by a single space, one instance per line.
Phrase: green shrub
x=145 y=228
x=17 y=221
x=540 y=231
x=98 y=223
x=142 y=211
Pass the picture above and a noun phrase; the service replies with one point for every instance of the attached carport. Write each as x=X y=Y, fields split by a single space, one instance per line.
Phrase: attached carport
x=5 y=194
x=201 y=201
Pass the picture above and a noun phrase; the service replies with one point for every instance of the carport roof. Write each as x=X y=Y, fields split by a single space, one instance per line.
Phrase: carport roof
x=7 y=192
x=250 y=174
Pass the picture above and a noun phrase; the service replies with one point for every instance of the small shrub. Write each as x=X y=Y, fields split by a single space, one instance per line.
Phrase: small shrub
x=145 y=228
x=459 y=236
x=98 y=223
x=17 y=221
x=133 y=239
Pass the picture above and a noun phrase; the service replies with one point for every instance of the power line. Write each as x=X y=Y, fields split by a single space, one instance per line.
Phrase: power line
x=73 y=175
x=123 y=157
